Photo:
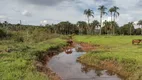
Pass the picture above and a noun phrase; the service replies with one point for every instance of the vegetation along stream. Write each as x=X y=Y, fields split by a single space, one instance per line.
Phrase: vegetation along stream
x=68 y=68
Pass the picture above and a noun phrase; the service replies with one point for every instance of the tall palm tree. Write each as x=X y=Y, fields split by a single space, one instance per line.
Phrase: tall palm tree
x=130 y=25
x=89 y=13
x=140 y=24
x=115 y=15
x=111 y=10
x=102 y=9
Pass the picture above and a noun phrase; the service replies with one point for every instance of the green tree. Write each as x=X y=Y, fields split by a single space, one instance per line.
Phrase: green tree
x=111 y=10
x=127 y=29
x=115 y=15
x=102 y=9
x=140 y=24
x=131 y=26
x=137 y=31
x=115 y=11
x=66 y=27
x=95 y=24
x=89 y=13
x=107 y=27
x=82 y=27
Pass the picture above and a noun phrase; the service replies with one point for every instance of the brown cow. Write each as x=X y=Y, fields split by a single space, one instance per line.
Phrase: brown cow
x=70 y=42
x=136 y=41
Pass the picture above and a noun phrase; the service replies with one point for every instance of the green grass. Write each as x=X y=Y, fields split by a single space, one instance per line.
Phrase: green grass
x=19 y=63
x=117 y=49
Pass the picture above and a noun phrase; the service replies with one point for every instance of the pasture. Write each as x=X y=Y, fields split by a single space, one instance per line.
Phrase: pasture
x=115 y=53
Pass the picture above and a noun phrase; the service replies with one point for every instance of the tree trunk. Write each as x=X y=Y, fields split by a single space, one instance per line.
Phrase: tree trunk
x=88 y=28
x=114 y=17
x=130 y=30
x=141 y=29
x=101 y=23
x=79 y=31
x=111 y=24
x=114 y=26
x=111 y=16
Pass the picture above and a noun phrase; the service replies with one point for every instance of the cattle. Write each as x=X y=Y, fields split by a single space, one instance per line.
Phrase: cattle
x=70 y=42
x=136 y=41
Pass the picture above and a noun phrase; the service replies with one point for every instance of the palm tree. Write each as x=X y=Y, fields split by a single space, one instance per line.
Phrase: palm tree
x=111 y=10
x=140 y=24
x=115 y=13
x=82 y=27
x=106 y=26
x=102 y=12
x=130 y=25
x=95 y=24
x=89 y=13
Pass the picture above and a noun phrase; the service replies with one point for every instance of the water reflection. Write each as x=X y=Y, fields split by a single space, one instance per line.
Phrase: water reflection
x=66 y=66
x=68 y=50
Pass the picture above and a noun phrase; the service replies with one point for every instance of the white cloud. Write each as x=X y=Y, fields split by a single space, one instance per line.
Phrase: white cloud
x=26 y=13
x=44 y=22
x=67 y=11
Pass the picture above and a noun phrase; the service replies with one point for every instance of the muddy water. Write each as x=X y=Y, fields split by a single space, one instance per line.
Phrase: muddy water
x=66 y=66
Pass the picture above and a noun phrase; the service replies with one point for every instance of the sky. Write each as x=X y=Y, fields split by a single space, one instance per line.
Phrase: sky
x=36 y=12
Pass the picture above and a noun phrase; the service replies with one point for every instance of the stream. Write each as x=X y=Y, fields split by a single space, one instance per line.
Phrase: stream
x=67 y=67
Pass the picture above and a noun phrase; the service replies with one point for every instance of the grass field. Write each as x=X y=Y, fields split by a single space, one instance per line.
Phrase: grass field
x=17 y=58
x=115 y=53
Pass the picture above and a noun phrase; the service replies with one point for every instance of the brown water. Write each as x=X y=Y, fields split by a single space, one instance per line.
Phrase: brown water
x=66 y=66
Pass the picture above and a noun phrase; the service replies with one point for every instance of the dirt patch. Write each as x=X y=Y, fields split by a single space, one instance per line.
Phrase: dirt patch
x=85 y=46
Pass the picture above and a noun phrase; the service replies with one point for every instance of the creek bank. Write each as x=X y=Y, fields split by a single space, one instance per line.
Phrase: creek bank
x=43 y=58
x=68 y=68
x=110 y=65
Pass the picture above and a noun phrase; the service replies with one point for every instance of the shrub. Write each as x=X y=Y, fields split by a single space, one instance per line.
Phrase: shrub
x=2 y=34
x=19 y=39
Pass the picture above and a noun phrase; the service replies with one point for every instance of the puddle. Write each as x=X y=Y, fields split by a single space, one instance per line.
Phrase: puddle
x=66 y=66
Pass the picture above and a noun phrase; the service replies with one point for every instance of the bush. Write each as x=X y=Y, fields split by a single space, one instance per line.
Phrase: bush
x=2 y=34
x=19 y=39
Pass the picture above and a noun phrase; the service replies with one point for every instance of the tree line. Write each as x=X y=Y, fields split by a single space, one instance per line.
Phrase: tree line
x=85 y=28
x=80 y=28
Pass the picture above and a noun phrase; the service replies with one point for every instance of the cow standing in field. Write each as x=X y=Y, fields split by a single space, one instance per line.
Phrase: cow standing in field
x=137 y=41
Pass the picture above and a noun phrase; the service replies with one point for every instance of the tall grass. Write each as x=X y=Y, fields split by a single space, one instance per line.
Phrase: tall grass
x=17 y=54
